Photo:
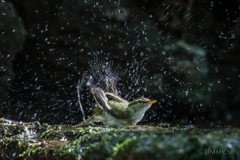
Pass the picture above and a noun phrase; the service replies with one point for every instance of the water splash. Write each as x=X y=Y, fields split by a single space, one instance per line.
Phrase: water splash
x=79 y=86
x=101 y=72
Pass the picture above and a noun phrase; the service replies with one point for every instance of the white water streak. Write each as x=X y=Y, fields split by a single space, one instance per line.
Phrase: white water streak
x=79 y=98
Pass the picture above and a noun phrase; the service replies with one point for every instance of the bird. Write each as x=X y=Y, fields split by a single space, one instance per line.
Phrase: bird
x=114 y=111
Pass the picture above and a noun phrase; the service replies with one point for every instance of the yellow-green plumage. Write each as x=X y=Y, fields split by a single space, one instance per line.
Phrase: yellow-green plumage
x=114 y=111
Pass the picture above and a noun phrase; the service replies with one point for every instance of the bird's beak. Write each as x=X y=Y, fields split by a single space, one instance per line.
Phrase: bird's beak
x=151 y=102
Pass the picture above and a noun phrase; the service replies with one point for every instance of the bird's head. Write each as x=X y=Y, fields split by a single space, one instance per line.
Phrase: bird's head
x=141 y=103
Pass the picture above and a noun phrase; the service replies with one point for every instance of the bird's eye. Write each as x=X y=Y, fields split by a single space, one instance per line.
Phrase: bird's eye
x=140 y=101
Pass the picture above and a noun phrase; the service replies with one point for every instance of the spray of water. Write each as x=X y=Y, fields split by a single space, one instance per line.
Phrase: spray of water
x=79 y=86
x=99 y=74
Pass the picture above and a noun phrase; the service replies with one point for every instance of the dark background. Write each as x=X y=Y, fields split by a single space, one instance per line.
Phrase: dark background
x=183 y=53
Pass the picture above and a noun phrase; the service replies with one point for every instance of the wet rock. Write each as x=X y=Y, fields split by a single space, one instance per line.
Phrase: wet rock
x=165 y=141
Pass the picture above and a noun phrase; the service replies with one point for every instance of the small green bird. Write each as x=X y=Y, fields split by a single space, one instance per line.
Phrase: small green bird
x=114 y=111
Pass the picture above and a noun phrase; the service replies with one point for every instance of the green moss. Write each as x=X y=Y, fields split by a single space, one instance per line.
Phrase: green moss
x=164 y=141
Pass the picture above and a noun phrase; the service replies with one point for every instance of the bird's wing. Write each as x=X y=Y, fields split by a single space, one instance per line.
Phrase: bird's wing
x=118 y=110
x=111 y=86
x=100 y=98
x=118 y=105
x=113 y=97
